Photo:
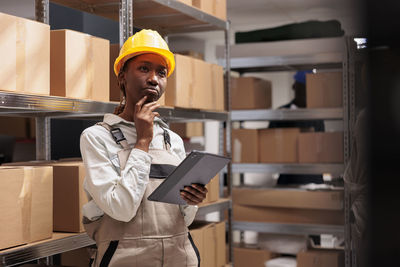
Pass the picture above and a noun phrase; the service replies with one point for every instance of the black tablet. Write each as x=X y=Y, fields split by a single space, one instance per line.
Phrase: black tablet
x=197 y=168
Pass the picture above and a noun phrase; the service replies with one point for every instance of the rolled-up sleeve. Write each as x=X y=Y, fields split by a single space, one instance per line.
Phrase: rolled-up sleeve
x=117 y=193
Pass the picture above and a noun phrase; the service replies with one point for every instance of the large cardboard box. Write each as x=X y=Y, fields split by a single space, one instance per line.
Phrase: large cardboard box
x=321 y=147
x=79 y=65
x=25 y=55
x=245 y=257
x=244 y=145
x=209 y=238
x=69 y=196
x=278 y=145
x=287 y=215
x=324 y=90
x=26 y=205
x=203 y=86
x=320 y=258
x=250 y=93
x=187 y=129
x=289 y=198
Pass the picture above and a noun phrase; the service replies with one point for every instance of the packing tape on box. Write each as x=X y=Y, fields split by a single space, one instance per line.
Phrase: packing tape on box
x=20 y=55
x=25 y=200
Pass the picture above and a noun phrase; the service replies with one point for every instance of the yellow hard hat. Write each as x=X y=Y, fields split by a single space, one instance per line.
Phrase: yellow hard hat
x=143 y=42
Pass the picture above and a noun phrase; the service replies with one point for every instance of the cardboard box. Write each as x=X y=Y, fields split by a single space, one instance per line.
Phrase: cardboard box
x=218 y=89
x=278 y=145
x=213 y=190
x=115 y=92
x=206 y=6
x=69 y=196
x=187 y=129
x=26 y=205
x=287 y=215
x=321 y=147
x=18 y=127
x=79 y=65
x=209 y=238
x=202 y=85
x=244 y=257
x=320 y=258
x=25 y=55
x=179 y=91
x=289 y=198
x=77 y=258
x=250 y=93
x=324 y=90
x=187 y=2
x=219 y=9
x=244 y=145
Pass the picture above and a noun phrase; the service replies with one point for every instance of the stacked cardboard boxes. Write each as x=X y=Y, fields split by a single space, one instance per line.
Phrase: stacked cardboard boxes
x=324 y=90
x=24 y=49
x=320 y=258
x=188 y=129
x=209 y=239
x=26 y=205
x=244 y=257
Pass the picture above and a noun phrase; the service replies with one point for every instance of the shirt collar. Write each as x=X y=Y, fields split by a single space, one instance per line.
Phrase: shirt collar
x=112 y=119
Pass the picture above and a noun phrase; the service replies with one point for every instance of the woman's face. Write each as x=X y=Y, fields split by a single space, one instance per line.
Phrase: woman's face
x=145 y=75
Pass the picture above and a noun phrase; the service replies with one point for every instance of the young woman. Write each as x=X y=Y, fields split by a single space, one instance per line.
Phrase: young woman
x=126 y=157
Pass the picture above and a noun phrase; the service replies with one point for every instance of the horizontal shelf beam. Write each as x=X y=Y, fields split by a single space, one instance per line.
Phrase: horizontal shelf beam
x=289 y=62
x=61 y=242
x=282 y=228
x=287 y=114
x=295 y=168
x=51 y=106
x=220 y=205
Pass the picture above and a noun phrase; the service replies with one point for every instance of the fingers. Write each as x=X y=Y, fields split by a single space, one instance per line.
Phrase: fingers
x=194 y=194
x=140 y=103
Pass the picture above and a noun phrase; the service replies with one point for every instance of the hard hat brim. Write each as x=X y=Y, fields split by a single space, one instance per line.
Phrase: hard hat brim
x=130 y=53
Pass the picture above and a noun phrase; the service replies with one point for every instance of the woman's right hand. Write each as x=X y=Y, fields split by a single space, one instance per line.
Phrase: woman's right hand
x=143 y=118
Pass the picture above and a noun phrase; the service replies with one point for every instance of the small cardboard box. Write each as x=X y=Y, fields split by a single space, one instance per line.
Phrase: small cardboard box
x=209 y=238
x=321 y=147
x=245 y=257
x=320 y=258
x=324 y=90
x=79 y=65
x=287 y=215
x=69 y=196
x=187 y=129
x=289 y=198
x=26 y=205
x=219 y=9
x=244 y=145
x=25 y=55
x=213 y=190
x=114 y=89
x=206 y=6
x=250 y=93
x=278 y=145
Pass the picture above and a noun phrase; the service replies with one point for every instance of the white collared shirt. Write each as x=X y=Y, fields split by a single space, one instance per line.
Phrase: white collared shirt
x=110 y=190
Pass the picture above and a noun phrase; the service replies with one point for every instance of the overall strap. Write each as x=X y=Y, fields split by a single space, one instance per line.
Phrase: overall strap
x=167 y=139
x=116 y=133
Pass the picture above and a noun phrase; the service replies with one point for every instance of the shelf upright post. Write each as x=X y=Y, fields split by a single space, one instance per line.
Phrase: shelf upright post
x=228 y=132
x=42 y=11
x=125 y=20
x=43 y=149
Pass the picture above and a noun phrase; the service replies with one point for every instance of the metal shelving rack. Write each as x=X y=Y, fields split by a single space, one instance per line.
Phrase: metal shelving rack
x=166 y=16
x=321 y=60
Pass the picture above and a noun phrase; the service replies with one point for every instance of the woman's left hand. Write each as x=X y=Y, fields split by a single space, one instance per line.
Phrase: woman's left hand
x=194 y=194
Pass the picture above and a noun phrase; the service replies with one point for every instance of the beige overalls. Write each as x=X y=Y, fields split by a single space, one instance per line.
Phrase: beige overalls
x=156 y=236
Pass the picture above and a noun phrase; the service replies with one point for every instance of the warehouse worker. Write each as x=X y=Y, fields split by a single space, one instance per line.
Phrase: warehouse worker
x=126 y=157
x=299 y=101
